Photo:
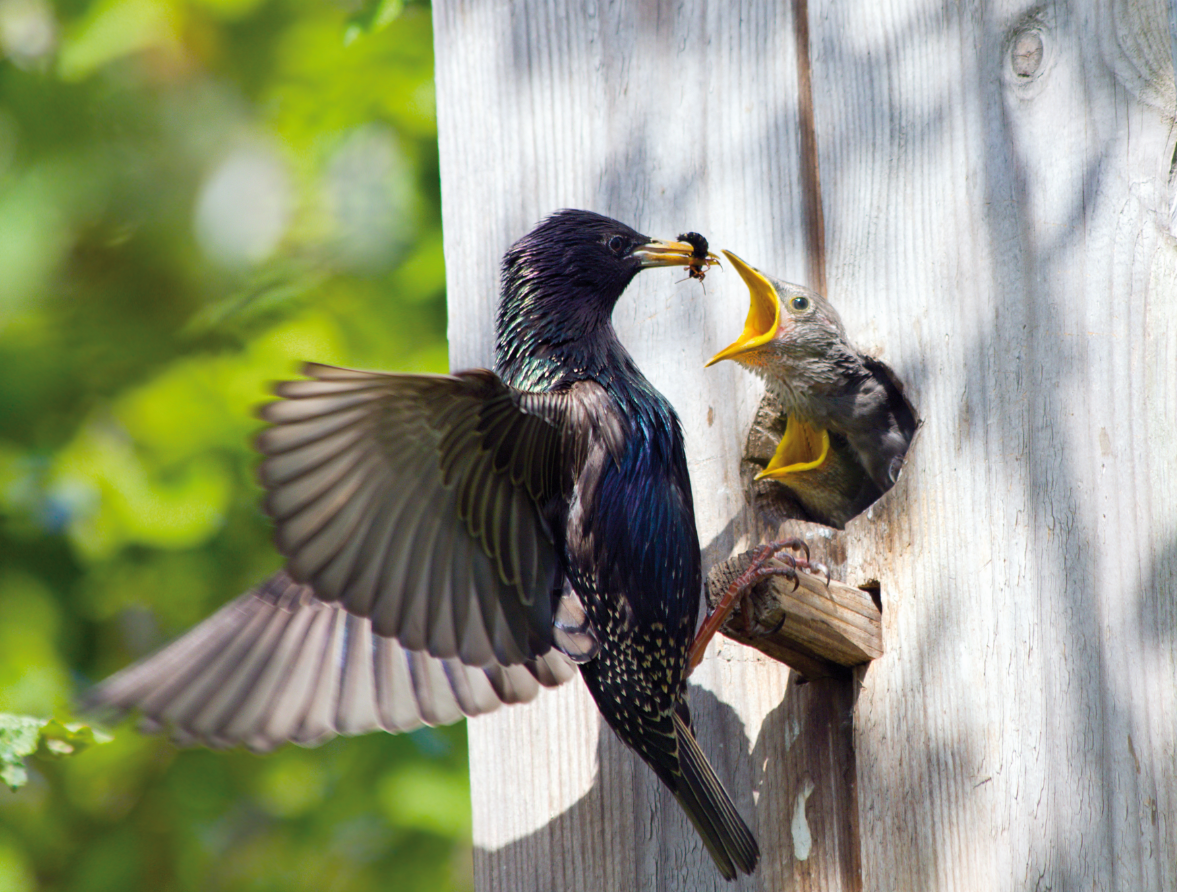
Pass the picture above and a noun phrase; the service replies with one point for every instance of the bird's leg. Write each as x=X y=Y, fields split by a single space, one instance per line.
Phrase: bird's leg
x=741 y=587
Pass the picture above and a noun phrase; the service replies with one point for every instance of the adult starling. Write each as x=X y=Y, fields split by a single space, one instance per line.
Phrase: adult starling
x=827 y=388
x=478 y=530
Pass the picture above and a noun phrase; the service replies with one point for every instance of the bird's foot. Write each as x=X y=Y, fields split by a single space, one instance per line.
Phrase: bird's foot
x=814 y=568
x=738 y=592
x=761 y=633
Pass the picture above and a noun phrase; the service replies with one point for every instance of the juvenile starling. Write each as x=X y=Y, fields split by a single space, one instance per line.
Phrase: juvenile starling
x=796 y=472
x=829 y=390
x=478 y=530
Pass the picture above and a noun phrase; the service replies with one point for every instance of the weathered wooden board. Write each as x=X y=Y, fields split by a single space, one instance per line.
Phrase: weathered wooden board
x=817 y=626
x=997 y=204
x=1011 y=248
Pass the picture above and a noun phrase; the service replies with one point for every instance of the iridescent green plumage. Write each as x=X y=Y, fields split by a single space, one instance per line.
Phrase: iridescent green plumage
x=627 y=531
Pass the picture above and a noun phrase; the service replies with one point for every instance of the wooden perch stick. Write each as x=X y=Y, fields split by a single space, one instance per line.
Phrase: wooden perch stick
x=817 y=629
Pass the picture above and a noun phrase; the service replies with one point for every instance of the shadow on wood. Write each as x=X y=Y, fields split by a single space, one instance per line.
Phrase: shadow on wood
x=810 y=803
x=796 y=789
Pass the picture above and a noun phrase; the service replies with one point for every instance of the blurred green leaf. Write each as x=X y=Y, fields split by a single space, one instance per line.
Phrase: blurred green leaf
x=33 y=674
x=22 y=736
x=15 y=873
x=112 y=29
x=426 y=798
x=69 y=738
x=33 y=219
x=135 y=359
x=374 y=15
x=18 y=738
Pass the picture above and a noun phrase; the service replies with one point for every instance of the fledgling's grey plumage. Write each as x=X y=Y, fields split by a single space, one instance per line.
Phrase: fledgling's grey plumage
x=809 y=364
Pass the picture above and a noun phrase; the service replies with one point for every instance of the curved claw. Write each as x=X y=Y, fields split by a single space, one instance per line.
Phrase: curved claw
x=756 y=571
x=776 y=626
x=814 y=567
x=787 y=572
x=795 y=544
x=817 y=567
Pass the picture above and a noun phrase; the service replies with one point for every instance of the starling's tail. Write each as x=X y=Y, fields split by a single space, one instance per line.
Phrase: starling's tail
x=710 y=809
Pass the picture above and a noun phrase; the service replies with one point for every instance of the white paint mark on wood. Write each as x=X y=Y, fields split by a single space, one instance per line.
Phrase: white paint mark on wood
x=802 y=839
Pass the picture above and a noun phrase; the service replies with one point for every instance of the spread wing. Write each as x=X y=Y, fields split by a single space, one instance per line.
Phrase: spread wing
x=278 y=665
x=414 y=501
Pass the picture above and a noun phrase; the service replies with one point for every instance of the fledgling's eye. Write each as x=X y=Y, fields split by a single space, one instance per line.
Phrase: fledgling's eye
x=617 y=244
x=799 y=304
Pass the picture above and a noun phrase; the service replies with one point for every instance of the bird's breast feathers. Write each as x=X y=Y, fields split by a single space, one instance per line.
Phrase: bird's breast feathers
x=631 y=541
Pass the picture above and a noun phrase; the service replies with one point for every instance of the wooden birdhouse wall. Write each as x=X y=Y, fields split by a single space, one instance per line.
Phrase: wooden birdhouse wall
x=997 y=195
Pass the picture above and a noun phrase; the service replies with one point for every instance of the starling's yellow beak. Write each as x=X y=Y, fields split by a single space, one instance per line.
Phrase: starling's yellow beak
x=802 y=448
x=656 y=252
x=764 y=312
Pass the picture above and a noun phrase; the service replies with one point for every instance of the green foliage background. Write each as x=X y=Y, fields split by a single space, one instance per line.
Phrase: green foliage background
x=138 y=329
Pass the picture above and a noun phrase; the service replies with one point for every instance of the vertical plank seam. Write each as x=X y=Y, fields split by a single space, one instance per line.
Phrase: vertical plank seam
x=815 y=232
x=816 y=245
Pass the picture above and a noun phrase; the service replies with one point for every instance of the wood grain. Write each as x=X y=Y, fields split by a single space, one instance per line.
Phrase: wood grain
x=1005 y=243
x=817 y=626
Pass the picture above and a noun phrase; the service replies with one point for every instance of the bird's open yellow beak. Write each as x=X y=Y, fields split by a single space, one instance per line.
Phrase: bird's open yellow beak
x=659 y=253
x=802 y=448
x=764 y=312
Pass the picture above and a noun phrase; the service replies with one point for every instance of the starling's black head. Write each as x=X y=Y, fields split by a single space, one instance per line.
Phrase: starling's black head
x=577 y=263
x=575 y=256
x=561 y=281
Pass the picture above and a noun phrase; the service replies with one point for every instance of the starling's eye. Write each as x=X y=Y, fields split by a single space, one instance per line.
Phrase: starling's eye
x=617 y=244
x=799 y=304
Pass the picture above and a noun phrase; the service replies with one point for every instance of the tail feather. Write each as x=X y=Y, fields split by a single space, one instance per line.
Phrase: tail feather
x=710 y=809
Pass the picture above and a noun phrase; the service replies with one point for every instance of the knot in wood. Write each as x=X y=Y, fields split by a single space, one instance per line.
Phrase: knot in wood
x=1026 y=53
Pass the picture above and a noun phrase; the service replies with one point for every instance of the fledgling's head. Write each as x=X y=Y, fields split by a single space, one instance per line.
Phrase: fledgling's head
x=789 y=329
x=571 y=269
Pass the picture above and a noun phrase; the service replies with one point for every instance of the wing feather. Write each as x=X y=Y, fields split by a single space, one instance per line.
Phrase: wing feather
x=278 y=664
x=414 y=500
